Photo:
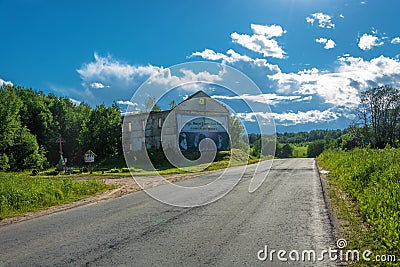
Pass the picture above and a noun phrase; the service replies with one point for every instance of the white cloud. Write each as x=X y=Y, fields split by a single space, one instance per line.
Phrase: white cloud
x=128 y=103
x=367 y=42
x=306 y=98
x=261 y=41
x=395 y=40
x=270 y=99
x=97 y=85
x=321 y=40
x=105 y=69
x=105 y=72
x=3 y=82
x=341 y=87
x=232 y=57
x=186 y=79
x=324 y=20
x=75 y=102
x=341 y=16
x=108 y=70
x=268 y=31
x=209 y=54
x=292 y=118
x=329 y=44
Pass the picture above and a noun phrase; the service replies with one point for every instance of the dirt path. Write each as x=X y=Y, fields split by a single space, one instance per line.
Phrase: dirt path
x=123 y=185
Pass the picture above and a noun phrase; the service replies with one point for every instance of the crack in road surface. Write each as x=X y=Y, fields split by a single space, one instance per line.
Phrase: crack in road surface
x=286 y=213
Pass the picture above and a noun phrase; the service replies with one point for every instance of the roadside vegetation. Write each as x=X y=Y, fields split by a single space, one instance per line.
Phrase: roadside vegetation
x=364 y=177
x=366 y=190
x=20 y=192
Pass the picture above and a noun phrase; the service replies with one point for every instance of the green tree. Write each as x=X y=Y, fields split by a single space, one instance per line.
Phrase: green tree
x=18 y=147
x=102 y=131
x=352 y=139
x=380 y=111
x=237 y=133
x=10 y=105
x=315 y=148
x=25 y=153
x=68 y=122
x=36 y=115
x=172 y=104
x=284 y=151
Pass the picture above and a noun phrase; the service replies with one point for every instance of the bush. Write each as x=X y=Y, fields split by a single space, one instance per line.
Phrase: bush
x=4 y=162
x=315 y=148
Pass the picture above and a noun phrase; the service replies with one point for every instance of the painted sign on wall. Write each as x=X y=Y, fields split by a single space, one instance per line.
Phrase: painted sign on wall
x=194 y=129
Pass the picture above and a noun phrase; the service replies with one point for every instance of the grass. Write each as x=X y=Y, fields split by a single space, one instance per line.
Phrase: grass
x=20 y=193
x=365 y=189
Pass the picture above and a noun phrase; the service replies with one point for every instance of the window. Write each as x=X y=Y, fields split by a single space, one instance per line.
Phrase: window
x=129 y=126
x=159 y=122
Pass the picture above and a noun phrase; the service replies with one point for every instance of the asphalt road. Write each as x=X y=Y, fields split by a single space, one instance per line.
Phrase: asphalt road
x=286 y=213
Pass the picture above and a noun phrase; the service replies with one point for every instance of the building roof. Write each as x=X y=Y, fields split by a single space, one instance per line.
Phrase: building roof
x=196 y=95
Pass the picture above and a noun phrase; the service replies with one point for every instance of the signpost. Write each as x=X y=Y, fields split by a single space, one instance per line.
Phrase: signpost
x=89 y=158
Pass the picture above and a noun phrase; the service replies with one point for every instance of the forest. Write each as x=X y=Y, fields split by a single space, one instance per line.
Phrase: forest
x=32 y=122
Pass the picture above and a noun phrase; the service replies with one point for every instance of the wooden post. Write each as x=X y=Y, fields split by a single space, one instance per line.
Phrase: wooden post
x=60 y=141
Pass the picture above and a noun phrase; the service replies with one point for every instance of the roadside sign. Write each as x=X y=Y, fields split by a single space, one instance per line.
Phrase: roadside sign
x=89 y=156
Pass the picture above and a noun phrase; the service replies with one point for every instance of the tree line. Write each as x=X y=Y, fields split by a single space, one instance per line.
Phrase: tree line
x=31 y=122
x=376 y=125
x=281 y=145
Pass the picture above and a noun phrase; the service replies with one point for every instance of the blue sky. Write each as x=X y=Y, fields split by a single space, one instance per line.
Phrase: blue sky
x=310 y=58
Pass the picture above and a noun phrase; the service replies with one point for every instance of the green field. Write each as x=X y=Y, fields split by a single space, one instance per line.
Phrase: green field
x=366 y=189
x=20 y=193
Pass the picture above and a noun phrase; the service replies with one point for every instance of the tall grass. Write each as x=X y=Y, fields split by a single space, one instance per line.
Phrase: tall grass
x=21 y=193
x=372 y=179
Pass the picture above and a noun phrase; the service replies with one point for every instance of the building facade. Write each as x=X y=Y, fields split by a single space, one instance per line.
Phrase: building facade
x=184 y=127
